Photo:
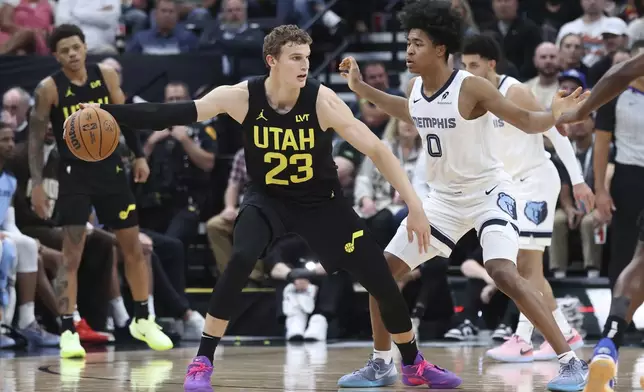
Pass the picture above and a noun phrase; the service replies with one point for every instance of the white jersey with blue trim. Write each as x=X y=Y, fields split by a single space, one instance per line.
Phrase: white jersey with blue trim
x=458 y=155
x=519 y=151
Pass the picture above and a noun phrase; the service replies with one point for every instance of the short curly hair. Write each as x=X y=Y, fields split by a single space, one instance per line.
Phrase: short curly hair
x=282 y=35
x=437 y=19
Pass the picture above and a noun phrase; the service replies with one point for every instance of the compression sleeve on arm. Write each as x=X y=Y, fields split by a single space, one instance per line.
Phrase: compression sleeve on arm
x=132 y=140
x=156 y=116
x=566 y=154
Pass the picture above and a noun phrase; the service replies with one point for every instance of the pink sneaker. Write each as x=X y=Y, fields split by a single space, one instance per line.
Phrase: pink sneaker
x=514 y=349
x=546 y=353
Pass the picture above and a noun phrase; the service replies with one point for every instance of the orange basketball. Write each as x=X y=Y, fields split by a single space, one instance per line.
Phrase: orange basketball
x=92 y=134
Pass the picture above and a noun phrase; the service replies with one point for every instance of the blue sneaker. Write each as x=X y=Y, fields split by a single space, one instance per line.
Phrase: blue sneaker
x=37 y=336
x=376 y=373
x=603 y=367
x=572 y=376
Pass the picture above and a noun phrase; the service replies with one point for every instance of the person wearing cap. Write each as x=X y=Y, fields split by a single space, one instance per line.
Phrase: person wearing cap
x=614 y=37
x=571 y=79
x=590 y=27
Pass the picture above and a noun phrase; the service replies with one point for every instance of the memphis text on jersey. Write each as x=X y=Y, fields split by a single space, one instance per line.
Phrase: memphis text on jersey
x=287 y=149
x=434 y=122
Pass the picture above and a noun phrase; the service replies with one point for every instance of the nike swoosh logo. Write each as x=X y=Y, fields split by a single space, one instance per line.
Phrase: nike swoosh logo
x=490 y=191
x=524 y=352
x=523 y=179
x=416 y=100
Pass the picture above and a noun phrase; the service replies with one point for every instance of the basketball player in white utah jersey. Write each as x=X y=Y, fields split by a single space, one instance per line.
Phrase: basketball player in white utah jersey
x=536 y=187
x=469 y=188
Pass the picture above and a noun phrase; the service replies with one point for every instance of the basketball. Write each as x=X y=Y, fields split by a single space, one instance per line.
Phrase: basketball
x=92 y=134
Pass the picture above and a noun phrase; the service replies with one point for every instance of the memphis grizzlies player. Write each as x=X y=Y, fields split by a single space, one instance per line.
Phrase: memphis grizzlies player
x=536 y=187
x=469 y=188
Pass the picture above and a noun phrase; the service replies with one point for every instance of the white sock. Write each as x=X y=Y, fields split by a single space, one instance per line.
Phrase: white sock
x=151 y=305
x=524 y=329
x=566 y=357
x=119 y=313
x=384 y=355
x=562 y=322
x=330 y=19
x=27 y=315
x=76 y=315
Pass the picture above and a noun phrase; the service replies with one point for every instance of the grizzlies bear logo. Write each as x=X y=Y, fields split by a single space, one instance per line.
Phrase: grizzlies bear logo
x=536 y=211
x=507 y=204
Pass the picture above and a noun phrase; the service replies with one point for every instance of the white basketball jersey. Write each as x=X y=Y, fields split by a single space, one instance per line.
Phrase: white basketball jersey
x=458 y=156
x=519 y=151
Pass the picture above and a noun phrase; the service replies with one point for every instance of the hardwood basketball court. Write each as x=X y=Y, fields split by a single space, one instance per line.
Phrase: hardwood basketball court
x=268 y=367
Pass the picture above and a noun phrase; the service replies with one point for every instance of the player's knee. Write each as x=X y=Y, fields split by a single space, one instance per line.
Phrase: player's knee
x=530 y=263
x=500 y=241
x=397 y=267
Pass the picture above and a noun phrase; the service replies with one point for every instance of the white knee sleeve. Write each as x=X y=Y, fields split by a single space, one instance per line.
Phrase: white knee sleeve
x=27 y=249
x=500 y=242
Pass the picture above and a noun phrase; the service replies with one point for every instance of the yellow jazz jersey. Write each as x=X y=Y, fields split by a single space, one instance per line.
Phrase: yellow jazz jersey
x=289 y=155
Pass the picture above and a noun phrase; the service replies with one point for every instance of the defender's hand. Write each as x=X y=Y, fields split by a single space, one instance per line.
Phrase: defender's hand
x=562 y=103
x=89 y=105
x=418 y=223
x=141 y=170
x=584 y=196
x=351 y=72
x=40 y=202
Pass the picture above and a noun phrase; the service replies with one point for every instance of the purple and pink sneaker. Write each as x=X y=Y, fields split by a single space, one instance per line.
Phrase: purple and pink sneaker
x=198 y=375
x=425 y=373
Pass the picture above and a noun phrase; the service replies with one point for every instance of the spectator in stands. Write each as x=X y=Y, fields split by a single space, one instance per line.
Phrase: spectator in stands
x=239 y=42
x=27 y=250
x=300 y=12
x=551 y=15
x=15 y=106
x=24 y=25
x=7 y=290
x=621 y=121
x=166 y=37
x=571 y=51
x=96 y=262
x=570 y=80
x=614 y=37
x=621 y=55
x=545 y=85
x=518 y=36
x=590 y=26
x=481 y=295
x=181 y=160
x=307 y=298
x=98 y=19
x=635 y=29
x=220 y=227
x=134 y=15
x=570 y=218
x=462 y=7
x=375 y=201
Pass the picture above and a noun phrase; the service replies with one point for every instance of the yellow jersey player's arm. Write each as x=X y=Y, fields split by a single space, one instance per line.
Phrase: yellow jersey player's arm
x=44 y=98
x=334 y=113
x=113 y=82
x=232 y=100
x=488 y=98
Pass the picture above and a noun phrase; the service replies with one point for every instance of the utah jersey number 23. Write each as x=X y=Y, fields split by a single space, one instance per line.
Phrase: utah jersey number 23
x=302 y=161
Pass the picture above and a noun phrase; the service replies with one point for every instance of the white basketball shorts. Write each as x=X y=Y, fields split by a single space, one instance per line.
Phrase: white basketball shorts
x=537 y=192
x=492 y=212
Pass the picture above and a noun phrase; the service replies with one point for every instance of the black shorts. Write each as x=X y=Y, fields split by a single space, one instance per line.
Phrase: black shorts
x=102 y=185
x=640 y=225
x=332 y=230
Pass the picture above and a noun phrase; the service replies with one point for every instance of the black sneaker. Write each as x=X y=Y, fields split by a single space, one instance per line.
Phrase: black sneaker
x=465 y=331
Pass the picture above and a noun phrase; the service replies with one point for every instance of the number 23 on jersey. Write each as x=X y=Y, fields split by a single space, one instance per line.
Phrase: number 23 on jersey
x=302 y=161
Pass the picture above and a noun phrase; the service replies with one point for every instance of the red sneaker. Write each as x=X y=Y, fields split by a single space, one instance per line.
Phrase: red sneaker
x=88 y=335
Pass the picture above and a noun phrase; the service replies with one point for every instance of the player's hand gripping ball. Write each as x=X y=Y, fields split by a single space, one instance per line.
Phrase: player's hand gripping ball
x=91 y=134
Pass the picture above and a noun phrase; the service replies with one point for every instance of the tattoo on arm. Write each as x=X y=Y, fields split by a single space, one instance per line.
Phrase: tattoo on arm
x=61 y=290
x=38 y=121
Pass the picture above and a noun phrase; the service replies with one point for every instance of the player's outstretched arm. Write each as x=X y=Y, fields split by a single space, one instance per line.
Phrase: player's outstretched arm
x=334 y=113
x=488 y=97
x=393 y=105
x=614 y=81
x=158 y=116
